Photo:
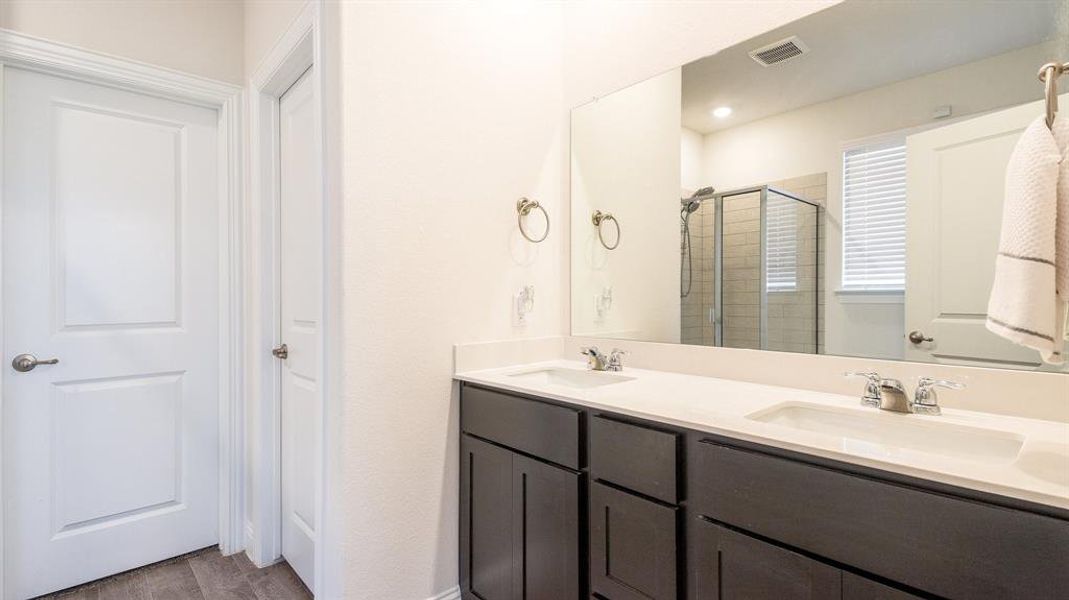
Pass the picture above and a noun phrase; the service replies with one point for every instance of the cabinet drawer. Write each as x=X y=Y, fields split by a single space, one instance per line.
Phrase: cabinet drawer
x=948 y=546
x=638 y=458
x=632 y=546
x=544 y=430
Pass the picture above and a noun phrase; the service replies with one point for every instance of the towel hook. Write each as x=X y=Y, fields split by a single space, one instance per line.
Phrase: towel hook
x=524 y=206
x=1049 y=74
x=599 y=218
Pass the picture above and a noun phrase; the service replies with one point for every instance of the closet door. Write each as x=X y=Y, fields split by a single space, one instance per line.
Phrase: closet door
x=111 y=267
x=300 y=308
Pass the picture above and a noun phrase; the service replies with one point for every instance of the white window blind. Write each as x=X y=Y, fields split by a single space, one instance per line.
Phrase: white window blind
x=874 y=217
x=781 y=244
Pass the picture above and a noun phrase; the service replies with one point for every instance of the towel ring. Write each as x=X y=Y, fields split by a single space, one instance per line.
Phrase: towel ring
x=524 y=207
x=1048 y=73
x=598 y=218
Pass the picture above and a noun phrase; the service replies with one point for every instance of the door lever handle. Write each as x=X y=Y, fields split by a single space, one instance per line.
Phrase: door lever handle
x=24 y=363
x=282 y=352
x=918 y=337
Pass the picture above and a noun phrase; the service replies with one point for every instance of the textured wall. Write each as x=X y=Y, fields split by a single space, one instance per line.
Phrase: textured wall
x=201 y=37
x=452 y=111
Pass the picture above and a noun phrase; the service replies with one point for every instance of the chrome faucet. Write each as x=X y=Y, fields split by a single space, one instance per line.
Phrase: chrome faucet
x=890 y=394
x=925 y=401
x=893 y=396
x=883 y=393
x=596 y=361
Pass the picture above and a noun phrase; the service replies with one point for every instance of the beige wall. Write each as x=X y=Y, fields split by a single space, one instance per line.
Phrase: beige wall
x=265 y=21
x=625 y=152
x=217 y=39
x=200 y=37
x=451 y=112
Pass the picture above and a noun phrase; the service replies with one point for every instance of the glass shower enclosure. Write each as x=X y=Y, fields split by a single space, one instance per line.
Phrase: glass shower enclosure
x=750 y=271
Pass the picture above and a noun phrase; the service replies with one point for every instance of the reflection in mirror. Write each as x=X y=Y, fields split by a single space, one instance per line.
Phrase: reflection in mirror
x=832 y=186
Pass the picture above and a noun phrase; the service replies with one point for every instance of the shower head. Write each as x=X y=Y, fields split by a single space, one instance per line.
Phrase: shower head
x=695 y=201
x=703 y=193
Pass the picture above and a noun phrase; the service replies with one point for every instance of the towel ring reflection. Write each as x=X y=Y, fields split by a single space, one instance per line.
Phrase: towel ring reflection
x=599 y=218
x=524 y=206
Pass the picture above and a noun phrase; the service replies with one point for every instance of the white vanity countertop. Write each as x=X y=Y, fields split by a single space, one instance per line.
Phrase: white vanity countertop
x=1038 y=473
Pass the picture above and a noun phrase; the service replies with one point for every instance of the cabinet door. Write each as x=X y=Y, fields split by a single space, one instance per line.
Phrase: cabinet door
x=632 y=546
x=856 y=587
x=731 y=566
x=486 y=520
x=546 y=531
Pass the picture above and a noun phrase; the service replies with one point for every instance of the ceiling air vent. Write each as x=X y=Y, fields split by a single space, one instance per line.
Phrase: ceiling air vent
x=779 y=52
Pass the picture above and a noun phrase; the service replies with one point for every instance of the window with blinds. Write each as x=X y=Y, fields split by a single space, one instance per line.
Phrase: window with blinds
x=781 y=244
x=874 y=217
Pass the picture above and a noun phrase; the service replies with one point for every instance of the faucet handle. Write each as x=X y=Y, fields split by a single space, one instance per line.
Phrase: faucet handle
x=929 y=382
x=872 y=394
x=872 y=376
x=925 y=401
x=615 y=364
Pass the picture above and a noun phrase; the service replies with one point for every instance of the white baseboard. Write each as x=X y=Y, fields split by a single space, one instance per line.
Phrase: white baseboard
x=450 y=594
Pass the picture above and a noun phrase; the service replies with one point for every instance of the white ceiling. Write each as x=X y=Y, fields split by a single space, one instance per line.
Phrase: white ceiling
x=859 y=45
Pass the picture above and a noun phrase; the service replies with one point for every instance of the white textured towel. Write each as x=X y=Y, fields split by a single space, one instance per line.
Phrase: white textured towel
x=1030 y=295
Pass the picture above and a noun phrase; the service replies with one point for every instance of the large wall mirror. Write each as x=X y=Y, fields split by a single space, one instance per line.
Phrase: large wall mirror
x=833 y=186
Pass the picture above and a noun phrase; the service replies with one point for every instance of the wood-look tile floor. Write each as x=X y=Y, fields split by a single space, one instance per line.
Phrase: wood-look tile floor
x=202 y=575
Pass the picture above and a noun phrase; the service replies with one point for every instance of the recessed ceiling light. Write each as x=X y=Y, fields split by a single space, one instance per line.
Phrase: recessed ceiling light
x=722 y=112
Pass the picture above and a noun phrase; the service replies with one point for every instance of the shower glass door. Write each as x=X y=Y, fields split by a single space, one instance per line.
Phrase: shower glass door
x=753 y=276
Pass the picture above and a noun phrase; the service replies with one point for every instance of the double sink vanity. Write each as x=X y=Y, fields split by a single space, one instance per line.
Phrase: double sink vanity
x=824 y=196
x=643 y=484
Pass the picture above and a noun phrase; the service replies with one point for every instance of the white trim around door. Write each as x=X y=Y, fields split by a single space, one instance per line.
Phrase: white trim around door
x=30 y=53
x=302 y=48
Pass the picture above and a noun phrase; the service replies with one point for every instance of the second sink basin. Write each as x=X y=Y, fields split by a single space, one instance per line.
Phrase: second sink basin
x=880 y=433
x=572 y=378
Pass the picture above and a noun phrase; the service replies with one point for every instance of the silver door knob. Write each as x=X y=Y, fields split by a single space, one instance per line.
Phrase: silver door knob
x=918 y=337
x=24 y=363
x=281 y=352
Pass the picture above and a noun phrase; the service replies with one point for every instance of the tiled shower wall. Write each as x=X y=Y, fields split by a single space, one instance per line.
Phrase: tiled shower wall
x=793 y=322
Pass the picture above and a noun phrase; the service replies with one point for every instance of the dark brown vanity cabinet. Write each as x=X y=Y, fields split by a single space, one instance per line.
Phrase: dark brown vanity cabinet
x=634 y=520
x=520 y=516
x=633 y=543
x=730 y=565
x=561 y=502
x=942 y=543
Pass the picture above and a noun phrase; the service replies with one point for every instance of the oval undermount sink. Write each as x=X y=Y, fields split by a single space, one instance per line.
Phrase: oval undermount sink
x=570 y=378
x=874 y=432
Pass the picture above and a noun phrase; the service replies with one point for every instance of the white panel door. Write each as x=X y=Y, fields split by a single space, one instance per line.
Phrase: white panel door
x=110 y=264
x=301 y=237
x=955 y=185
